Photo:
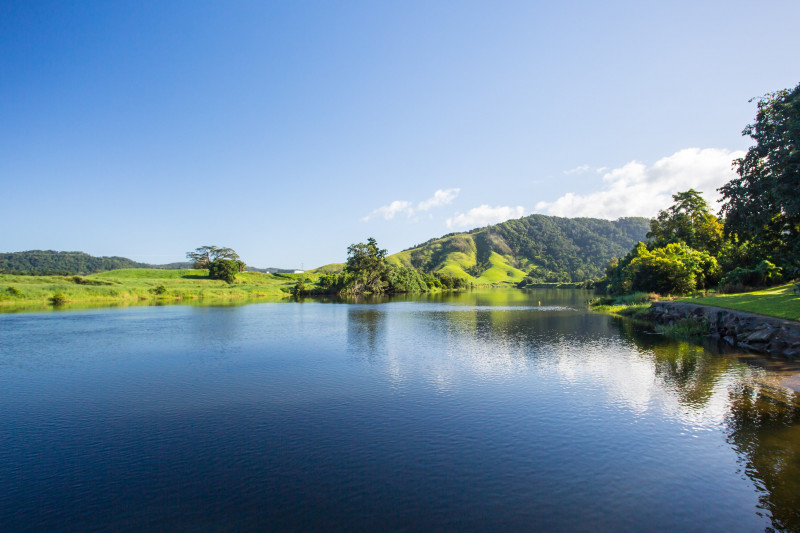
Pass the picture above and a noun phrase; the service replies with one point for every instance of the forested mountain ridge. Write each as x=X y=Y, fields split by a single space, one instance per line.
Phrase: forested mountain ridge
x=540 y=247
x=52 y=262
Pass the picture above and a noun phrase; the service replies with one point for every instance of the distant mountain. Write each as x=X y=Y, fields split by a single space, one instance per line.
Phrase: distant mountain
x=67 y=263
x=539 y=247
x=52 y=262
x=269 y=270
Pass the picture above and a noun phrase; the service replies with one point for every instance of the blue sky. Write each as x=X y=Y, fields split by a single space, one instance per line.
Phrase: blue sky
x=288 y=130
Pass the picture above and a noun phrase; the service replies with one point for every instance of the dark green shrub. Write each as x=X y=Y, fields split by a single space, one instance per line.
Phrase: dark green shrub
x=299 y=288
x=404 y=279
x=742 y=279
x=160 y=289
x=223 y=269
x=329 y=281
x=58 y=299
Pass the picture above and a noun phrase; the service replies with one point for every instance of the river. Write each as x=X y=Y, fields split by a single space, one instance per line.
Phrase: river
x=495 y=410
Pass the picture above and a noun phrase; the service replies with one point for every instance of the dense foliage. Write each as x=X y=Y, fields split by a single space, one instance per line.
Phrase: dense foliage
x=365 y=269
x=678 y=256
x=368 y=272
x=224 y=269
x=674 y=268
x=762 y=205
x=740 y=278
x=688 y=221
x=49 y=262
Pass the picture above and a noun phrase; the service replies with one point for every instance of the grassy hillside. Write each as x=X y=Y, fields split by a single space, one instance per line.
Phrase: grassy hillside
x=547 y=249
x=139 y=285
x=333 y=268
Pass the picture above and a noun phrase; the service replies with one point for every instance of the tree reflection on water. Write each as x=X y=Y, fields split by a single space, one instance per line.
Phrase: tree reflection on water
x=762 y=420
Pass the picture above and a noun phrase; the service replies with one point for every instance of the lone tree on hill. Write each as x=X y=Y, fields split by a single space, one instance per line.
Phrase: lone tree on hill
x=205 y=255
x=222 y=263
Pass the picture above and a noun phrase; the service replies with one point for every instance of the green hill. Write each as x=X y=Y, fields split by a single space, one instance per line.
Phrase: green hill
x=542 y=248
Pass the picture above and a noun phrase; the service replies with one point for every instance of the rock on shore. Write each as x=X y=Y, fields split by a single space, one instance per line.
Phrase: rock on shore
x=759 y=333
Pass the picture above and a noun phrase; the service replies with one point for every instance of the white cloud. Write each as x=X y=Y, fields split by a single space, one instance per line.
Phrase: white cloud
x=638 y=190
x=578 y=170
x=389 y=211
x=483 y=215
x=439 y=198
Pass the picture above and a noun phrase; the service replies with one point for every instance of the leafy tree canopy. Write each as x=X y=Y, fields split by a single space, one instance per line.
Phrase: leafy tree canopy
x=673 y=269
x=224 y=269
x=205 y=255
x=366 y=266
x=763 y=201
x=688 y=221
x=222 y=263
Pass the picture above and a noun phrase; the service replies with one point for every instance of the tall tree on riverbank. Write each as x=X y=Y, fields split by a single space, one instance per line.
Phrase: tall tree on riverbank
x=688 y=221
x=366 y=267
x=763 y=203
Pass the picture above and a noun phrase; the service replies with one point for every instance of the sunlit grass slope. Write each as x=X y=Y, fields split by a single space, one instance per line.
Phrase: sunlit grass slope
x=140 y=284
x=457 y=255
x=499 y=272
x=332 y=268
x=780 y=302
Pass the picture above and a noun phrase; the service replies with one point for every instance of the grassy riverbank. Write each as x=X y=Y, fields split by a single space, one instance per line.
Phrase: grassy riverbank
x=628 y=305
x=137 y=285
x=781 y=301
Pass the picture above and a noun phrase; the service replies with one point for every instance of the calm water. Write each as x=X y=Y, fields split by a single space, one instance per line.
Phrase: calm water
x=481 y=411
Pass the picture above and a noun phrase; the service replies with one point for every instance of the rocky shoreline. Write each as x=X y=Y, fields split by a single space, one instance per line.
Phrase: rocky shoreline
x=773 y=336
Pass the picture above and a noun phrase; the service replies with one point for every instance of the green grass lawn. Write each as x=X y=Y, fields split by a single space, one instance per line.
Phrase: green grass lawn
x=780 y=302
x=138 y=285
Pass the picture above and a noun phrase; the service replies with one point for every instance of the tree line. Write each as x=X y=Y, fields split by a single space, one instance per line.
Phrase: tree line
x=367 y=272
